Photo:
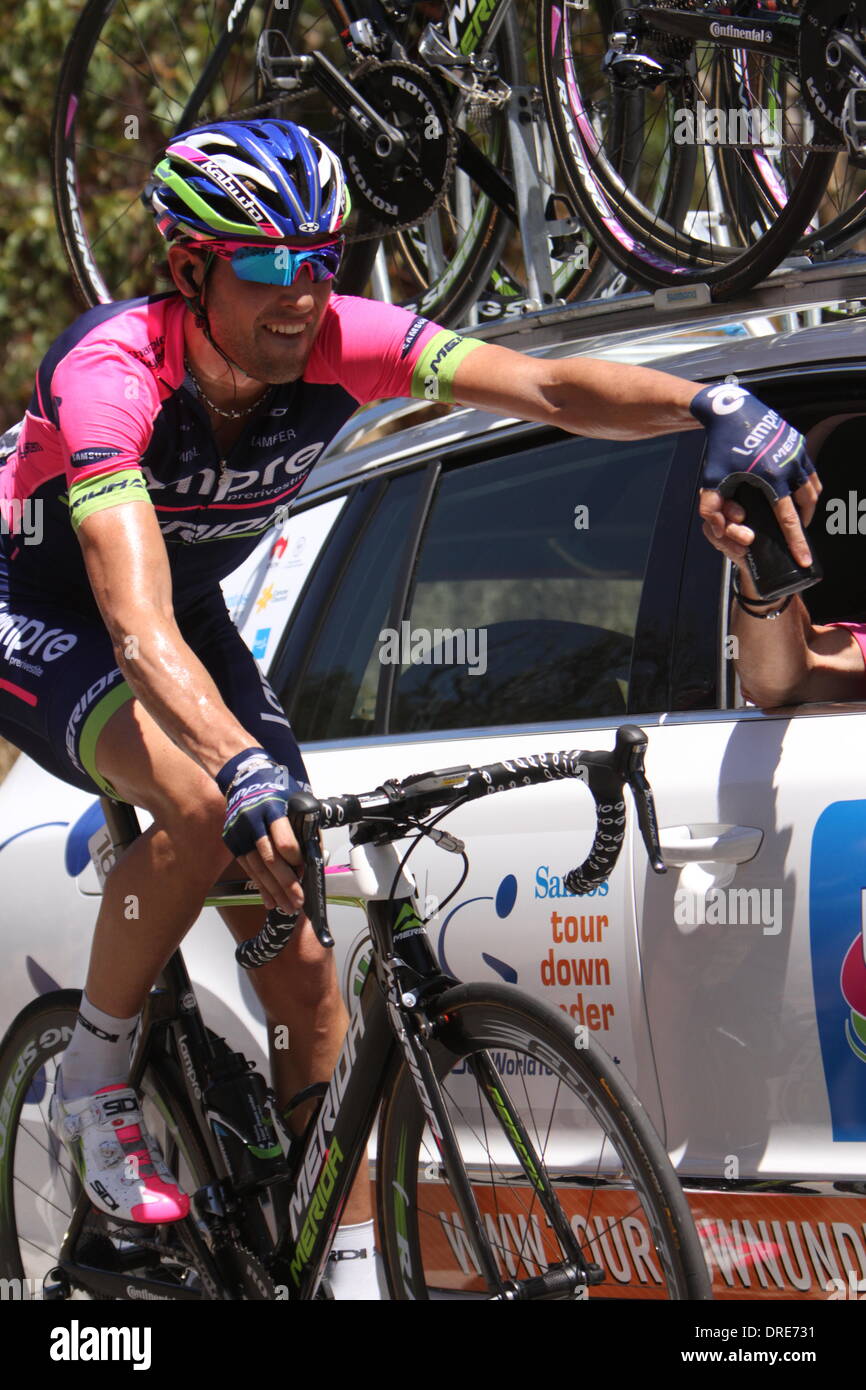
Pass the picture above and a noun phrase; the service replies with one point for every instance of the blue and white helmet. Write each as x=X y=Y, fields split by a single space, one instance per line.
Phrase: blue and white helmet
x=248 y=180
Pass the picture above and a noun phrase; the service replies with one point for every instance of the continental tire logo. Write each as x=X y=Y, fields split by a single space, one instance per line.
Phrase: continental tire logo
x=734 y=31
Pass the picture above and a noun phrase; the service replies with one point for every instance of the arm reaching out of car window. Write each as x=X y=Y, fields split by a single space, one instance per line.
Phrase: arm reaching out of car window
x=783 y=657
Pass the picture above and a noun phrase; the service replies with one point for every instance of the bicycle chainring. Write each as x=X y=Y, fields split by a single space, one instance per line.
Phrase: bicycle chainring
x=401 y=190
x=669 y=45
x=248 y=1273
x=825 y=88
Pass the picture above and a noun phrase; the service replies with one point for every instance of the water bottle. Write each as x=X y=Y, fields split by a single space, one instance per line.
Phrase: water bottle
x=237 y=1101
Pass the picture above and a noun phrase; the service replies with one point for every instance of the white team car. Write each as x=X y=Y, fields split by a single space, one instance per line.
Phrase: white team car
x=471 y=589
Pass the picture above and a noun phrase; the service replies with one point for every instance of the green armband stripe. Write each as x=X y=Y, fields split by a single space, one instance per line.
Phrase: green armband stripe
x=89 y=495
x=433 y=377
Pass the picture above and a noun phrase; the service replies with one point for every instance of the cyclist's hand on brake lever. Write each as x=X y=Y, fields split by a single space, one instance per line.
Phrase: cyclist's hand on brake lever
x=257 y=829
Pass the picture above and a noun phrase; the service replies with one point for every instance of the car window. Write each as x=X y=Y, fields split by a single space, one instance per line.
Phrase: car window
x=336 y=697
x=528 y=586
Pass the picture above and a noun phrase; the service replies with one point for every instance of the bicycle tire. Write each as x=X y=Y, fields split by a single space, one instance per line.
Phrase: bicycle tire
x=34 y=1214
x=614 y=1158
x=441 y=267
x=129 y=70
x=686 y=235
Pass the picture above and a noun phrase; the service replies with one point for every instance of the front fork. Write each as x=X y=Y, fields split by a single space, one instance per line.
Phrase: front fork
x=410 y=979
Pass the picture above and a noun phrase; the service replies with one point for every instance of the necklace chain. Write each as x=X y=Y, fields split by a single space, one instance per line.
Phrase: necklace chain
x=226 y=414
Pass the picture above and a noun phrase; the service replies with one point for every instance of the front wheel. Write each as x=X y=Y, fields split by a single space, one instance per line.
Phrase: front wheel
x=565 y=1167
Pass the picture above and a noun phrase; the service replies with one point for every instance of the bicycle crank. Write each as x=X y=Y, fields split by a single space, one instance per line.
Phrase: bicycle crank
x=833 y=64
x=401 y=186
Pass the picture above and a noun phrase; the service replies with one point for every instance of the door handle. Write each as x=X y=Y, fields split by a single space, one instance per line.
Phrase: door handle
x=710 y=844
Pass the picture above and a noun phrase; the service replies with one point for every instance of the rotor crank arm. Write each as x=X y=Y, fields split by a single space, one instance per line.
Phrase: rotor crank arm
x=843 y=54
x=486 y=175
x=386 y=139
x=764 y=35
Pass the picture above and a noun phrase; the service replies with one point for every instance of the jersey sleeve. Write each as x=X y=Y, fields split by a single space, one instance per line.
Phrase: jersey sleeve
x=378 y=351
x=104 y=403
x=858 y=632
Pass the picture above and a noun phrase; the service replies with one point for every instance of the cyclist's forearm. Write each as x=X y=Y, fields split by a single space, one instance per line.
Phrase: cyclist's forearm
x=176 y=689
x=611 y=401
x=772 y=654
x=583 y=395
x=128 y=569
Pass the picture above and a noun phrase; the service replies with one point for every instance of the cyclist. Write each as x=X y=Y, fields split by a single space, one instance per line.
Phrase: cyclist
x=164 y=436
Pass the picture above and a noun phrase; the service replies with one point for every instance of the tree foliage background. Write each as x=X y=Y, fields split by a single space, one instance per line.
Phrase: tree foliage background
x=36 y=294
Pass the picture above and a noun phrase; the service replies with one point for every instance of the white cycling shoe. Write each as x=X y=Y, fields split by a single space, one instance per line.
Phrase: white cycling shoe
x=102 y=1133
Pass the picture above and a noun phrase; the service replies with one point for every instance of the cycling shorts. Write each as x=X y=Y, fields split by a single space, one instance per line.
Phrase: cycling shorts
x=60 y=684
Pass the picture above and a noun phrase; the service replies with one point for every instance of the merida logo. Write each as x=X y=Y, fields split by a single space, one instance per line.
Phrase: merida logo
x=408 y=918
x=77 y=1343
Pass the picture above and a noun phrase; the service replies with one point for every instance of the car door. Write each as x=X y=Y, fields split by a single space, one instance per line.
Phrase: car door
x=752 y=943
x=498 y=600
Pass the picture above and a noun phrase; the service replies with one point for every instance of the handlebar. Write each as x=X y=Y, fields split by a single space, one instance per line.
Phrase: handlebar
x=388 y=812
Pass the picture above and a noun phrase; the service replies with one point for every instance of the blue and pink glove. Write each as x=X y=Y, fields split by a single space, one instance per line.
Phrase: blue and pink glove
x=257 y=791
x=749 y=442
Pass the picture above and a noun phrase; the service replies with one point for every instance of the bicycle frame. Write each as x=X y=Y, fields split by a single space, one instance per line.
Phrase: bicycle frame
x=776 y=35
x=324 y=1164
x=471 y=25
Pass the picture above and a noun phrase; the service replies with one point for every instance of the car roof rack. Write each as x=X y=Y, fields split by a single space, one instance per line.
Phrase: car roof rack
x=796 y=286
x=643 y=317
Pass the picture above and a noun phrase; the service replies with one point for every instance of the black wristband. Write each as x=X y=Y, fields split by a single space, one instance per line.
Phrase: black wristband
x=751 y=605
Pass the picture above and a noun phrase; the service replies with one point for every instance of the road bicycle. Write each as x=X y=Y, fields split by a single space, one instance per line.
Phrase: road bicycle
x=449 y=159
x=513 y=1161
x=710 y=141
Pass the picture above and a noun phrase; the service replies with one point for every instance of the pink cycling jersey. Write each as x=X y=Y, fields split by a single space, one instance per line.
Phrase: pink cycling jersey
x=114 y=418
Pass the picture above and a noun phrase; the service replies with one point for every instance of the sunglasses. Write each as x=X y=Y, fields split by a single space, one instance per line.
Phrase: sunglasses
x=279 y=265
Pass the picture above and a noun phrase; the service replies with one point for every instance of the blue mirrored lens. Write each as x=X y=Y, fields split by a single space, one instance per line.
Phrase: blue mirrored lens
x=279 y=265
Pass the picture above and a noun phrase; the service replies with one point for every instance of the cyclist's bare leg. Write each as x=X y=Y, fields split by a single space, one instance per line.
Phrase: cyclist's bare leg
x=299 y=990
x=158 y=877
x=168 y=884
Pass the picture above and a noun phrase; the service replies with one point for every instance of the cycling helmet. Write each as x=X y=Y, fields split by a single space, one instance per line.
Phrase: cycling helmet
x=250 y=180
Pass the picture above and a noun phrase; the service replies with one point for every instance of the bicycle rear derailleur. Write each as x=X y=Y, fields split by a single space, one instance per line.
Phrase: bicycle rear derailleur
x=630 y=62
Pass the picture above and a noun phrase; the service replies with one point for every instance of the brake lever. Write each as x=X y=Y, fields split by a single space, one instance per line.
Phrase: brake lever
x=305 y=815
x=631 y=746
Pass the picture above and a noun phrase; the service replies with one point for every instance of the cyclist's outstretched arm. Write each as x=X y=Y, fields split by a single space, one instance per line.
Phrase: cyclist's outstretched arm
x=610 y=400
x=605 y=400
